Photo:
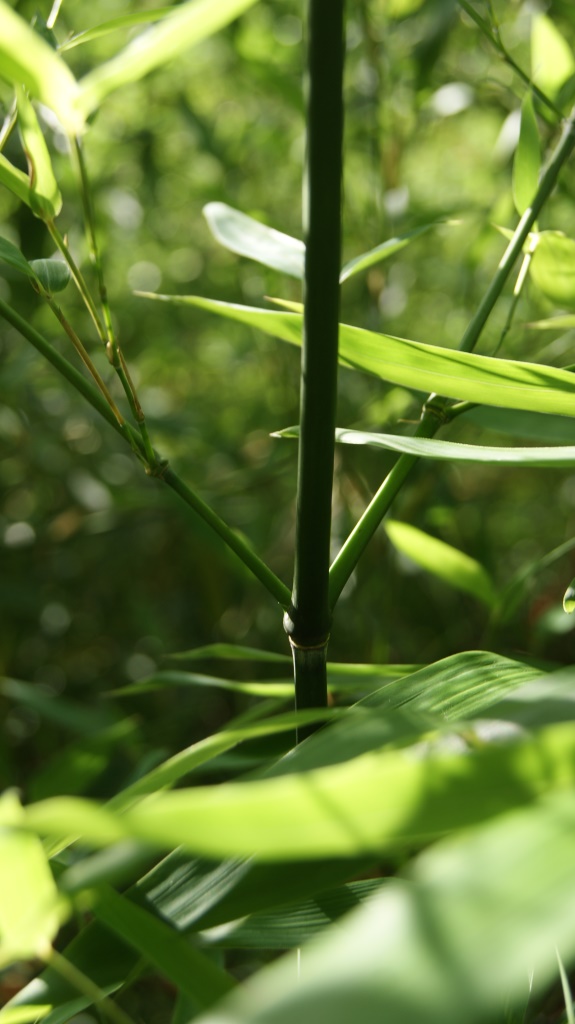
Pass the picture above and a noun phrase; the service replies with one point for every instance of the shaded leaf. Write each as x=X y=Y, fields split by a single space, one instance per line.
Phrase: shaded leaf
x=553 y=267
x=461 y=375
x=443 y=560
x=11 y=255
x=569 y=598
x=247 y=237
x=381 y=252
x=527 y=159
x=230 y=652
x=54 y=275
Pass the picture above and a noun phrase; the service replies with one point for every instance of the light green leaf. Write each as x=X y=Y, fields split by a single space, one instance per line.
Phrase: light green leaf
x=161 y=680
x=545 y=429
x=552 y=62
x=124 y=21
x=171 y=953
x=30 y=907
x=335 y=811
x=442 y=560
x=381 y=252
x=554 y=323
x=11 y=255
x=452 y=451
x=26 y=59
x=15 y=180
x=247 y=237
x=54 y=275
x=461 y=375
x=456 y=941
x=189 y=24
x=527 y=159
x=569 y=598
x=45 y=197
x=553 y=267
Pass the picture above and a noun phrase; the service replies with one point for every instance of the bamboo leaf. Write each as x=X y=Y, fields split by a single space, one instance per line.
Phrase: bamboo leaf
x=553 y=267
x=462 y=375
x=30 y=907
x=247 y=237
x=381 y=252
x=171 y=953
x=15 y=180
x=27 y=59
x=11 y=255
x=335 y=811
x=527 y=159
x=161 y=680
x=45 y=197
x=230 y=652
x=554 y=323
x=443 y=560
x=189 y=24
x=124 y=21
x=54 y=275
x=552 y=62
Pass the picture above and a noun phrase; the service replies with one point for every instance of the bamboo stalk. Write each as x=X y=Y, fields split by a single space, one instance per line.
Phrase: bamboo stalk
x=308 y=620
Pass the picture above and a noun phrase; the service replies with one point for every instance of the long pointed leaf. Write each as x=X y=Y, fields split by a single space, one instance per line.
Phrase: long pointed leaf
x=247 y=237
x=46 y=200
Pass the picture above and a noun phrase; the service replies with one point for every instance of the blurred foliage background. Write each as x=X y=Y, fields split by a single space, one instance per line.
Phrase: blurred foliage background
x=103 y=572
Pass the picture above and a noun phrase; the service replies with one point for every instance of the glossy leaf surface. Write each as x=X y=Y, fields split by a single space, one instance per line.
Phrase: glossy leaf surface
x=527 y=158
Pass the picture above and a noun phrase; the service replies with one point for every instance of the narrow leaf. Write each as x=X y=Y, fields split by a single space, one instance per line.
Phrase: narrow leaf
x=11 y=255
x=124 y=21
x=527 y=158
x=189 y=24
x=552 y=62
x=461 y=375
x=161 y=680
x=45 y=197
x=442 y=560
x=569 y=598
x=554 y=323
x=553 y=267
x=381 y=252
x=26 y=59
x=335 y=811
x=230 y=652
x=247 y=237
x=15 y=180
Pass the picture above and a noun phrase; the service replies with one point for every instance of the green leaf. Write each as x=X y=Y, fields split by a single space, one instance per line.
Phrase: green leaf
x=189 y=24
x=381 y=252
x=230 y=652
x=188 y=968
x=453 y=451
x=161 y=680
x=527 y=160
x=335 y=811
x=553 y=267
x=30 y=907
x=461 y=375
x=443 y=560
x=15 y=179
x=26 y=59
x=45 y=197
x=124 y=21
x=552 y=62
x=554 y=323
x=569 y=598
x=11 y=255
x=456 y=940
x=54 y=275
x=247 y=237
x=546 y=429
x=567 y=995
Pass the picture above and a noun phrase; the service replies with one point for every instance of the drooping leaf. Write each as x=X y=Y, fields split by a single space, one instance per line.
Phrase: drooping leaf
x=569 y=598
x=162 y=680
x=11 y=255
x=453 y=451
x=190 y=23
x=335 y=811
x=442 y=560
x=461 y=375
x=30 y=906
x=453 y=942
x=230 y=652
x=527 y=159
x=553 y=267
x=45 y=197
x=54 y=275
x=26 y=59
x=248 y=237
x=552 y=61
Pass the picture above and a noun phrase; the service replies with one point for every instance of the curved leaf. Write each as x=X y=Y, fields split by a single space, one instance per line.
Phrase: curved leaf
x=15 y=180
x=461 y=375
x=11 y=255
x=247 y=237
x=553 y=267
x=124 y=21
x=381 y=252
x=552 y=62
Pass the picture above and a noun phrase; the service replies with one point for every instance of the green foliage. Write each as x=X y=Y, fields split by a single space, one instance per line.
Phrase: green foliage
x=187 y=846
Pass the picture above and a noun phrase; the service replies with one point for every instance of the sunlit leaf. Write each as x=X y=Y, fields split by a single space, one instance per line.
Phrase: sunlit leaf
x=454 y=941
x=569 y=598
x=45 y=197
x=553 y=267
x=247 y=237
x=26 y=59
x=162 y=680
x=442 y=560
x=332 y=812
x=30 y=907
x=527 y=159
x=462 y=375
x=230 y=652
x=54 y=275
x=552 y=61
x=124 y=21
x=189 y=24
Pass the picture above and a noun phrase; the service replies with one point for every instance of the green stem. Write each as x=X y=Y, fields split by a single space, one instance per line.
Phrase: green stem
x=435 y=411
x=309 y=617
x=257 y=567
x=78 y=279
x=310 y=674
